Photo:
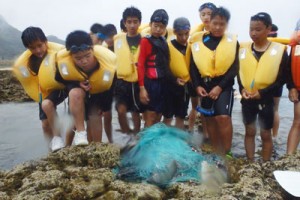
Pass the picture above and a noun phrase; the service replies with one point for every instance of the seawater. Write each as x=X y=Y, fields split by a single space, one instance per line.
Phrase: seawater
x=21 y=137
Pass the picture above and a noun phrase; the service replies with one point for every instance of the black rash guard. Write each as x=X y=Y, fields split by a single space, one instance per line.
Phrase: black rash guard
x=223 y=81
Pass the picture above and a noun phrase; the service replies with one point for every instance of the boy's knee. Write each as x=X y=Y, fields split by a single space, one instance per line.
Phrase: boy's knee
x=76 y=94
x=47 y=105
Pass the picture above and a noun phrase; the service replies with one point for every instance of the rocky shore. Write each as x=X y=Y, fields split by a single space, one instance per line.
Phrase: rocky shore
x=10 y=88
x=87 y=173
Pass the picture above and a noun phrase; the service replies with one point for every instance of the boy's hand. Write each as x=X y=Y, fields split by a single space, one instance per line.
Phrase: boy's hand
x=294 y=95
x=201 y=91
x=85 y=85
x=215 y=92
x=255 y=95
x=180 y=81
x=246 y=94
x=144 y=98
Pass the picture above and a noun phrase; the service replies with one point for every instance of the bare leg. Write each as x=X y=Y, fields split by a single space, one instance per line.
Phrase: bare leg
x=167 y=121
x=250 y=141
x=136 y=118
x=294 y=134
x=122 y=116
x=94 y=125
x=50 y=111
x=69 y=138
x=179 y=123
x=107 y=125
x=150 y=118
x=224 y=125
x=193 y=113
x=77 y=109
x=213 y=133
x=267 y=144
x=47 y=130
x=276 y=117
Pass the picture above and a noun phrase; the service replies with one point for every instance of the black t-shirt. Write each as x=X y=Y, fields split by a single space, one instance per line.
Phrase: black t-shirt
x=133 y=42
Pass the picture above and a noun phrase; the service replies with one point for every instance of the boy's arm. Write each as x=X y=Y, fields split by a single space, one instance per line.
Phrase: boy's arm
x=145 y=51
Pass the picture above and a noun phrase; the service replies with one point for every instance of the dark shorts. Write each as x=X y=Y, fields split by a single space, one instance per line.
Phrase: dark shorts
x=127 y=93
x=191 y=89
x=56 y=97
x=102 y=101
x=155 y=89
x=222 y=106
x=264 y=110
x=278 y=92
x=176 y=101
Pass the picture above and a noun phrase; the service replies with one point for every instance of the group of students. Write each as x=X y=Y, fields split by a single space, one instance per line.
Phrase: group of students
x=154 y=71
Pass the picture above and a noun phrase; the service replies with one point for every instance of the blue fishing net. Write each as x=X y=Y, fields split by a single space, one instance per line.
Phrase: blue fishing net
x=162 y=156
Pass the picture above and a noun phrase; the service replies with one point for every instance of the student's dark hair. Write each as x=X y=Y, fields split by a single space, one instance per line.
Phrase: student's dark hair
x=78 y=38
x=109 y=30
x=263 y=17
x=273 y=32
x=132 y=12
x=208 y=5
x=160 y=15
x=96 y=28
x=222 y=12
x=122 y=26
x=32 y=34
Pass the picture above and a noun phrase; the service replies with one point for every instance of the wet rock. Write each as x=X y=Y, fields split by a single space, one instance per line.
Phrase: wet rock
x=4 y=196
x=10 y=88
x=87 y=173
x=141 y=191
x=190 y=191
x=94 y=155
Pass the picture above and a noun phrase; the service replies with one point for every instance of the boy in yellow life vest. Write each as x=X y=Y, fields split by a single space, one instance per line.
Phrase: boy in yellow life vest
x=260 y=75
x=293 y=84
x=96 y=33
x=98 y=37
x=176 y=95
x=127 y=89
x=35 y=69
x=205 y=11
x=88 y=72
x=214 y=64
x=109 y=31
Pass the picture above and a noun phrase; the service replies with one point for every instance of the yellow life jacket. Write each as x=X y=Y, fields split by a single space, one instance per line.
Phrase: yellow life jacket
x=213 y=63
x=256 y=75
x=38 y=86
x=142 y=27
x=178 y=63
x=101 y=80
x=281 y=40
x=126 y=60
x=196 y=29
x=169 y=31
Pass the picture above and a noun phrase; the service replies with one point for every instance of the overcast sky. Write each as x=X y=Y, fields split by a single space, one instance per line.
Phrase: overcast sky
x=59 y=17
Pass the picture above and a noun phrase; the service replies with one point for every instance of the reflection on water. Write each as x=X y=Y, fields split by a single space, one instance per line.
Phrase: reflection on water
x=22 y=138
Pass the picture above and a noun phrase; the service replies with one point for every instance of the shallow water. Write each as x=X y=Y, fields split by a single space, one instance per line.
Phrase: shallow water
x=22 y=138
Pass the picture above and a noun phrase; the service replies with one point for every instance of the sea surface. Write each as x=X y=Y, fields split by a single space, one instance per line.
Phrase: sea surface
x=21 y=137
